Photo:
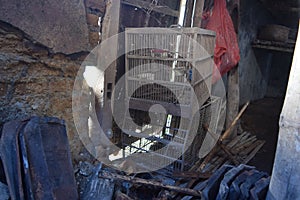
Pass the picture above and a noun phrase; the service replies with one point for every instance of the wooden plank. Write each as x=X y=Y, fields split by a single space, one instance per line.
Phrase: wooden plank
x=198 y=13
x=274 y=48
x=223 y=147
x=110 y=27
x=274 y=45
x=230 y=127
x=211 y=162
x=156 y=8
x=223 y=137
x=218 y=164
x=189 y=13
x=233 y=91
x=209 y=157
x=244 y=144
x=139 y=181
x=252 y=154
x=229 y=154
x=236 y=140
x=233 y=122
x=247 y=150
x=192 y=174
x=233 y=99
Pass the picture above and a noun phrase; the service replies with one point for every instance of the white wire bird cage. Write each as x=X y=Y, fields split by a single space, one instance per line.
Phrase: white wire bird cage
x=180 y=59
x=169 y=67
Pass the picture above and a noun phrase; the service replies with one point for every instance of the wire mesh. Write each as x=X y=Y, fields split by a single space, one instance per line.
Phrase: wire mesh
x=168 y=65
x=180 y=153
x=178 y=57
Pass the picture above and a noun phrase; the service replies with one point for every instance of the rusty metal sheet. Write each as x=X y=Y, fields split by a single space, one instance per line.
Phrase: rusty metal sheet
x=36 y=159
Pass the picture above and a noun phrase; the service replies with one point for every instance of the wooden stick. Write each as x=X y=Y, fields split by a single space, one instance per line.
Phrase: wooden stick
x=209 y=157
x=114 y=176
x=224 y=136
x=228 y=131
x=252 y=154
x=198 y=13
x=246 y=151
x=192 y=174
x=234 y=142
x=217 y=148
x=223 y=147
x=229 y=154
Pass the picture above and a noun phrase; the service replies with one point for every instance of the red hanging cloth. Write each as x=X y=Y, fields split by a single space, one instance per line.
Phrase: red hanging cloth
x=226 y=54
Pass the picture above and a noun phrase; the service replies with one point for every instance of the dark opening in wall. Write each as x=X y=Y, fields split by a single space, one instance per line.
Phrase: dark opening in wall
x=279 y=74
x=264 y=72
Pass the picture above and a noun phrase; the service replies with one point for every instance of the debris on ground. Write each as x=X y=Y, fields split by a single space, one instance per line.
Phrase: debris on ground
x=37 y=165
x=228 y=182
x=222 y=174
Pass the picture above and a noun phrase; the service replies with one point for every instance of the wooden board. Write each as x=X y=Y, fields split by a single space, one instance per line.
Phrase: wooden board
x=110 y=27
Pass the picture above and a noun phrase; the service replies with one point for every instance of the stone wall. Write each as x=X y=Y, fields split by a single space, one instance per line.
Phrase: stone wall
x=59 y=25
x=33 y=81
x=64 y=26
x=255 y=64
x=95 y=10
x=42 y=45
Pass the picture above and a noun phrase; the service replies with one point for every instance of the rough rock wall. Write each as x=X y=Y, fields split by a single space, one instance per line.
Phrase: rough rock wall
x=36 y=74
x=34 y=81
x=60 y=25
x=95 y=9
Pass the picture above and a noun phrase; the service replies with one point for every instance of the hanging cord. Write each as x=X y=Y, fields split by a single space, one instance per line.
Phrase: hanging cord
x=152 y=5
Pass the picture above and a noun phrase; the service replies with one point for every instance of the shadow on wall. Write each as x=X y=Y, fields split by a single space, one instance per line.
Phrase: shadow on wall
x=254 y=71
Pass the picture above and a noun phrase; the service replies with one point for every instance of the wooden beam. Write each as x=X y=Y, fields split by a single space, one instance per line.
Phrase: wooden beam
x=223 y=147
x=257 y=146
x=272 y=45
x=233 y=98
x=110 y=27
x=188 y=13
x=198 y=13
x=273 y=48
x=156 y=8
x=191 y=175
x=140 y=181
x=233 y=89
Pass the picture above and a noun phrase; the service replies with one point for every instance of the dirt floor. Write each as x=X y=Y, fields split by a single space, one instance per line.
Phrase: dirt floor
x=262 y=118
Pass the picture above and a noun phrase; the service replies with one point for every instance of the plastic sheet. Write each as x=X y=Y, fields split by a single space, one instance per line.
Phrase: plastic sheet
x=226 y=50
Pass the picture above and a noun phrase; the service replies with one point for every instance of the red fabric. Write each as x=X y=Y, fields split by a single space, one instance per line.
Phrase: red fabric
x=226 y=50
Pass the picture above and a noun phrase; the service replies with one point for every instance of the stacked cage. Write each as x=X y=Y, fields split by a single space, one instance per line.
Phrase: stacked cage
x=172 y=68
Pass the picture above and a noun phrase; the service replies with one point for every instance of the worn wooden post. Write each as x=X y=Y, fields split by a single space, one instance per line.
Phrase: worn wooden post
x=286 y=171
x=198 y=13
x=110 y=27
x=188 y=13
x=233 y=98
x=233 y=90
